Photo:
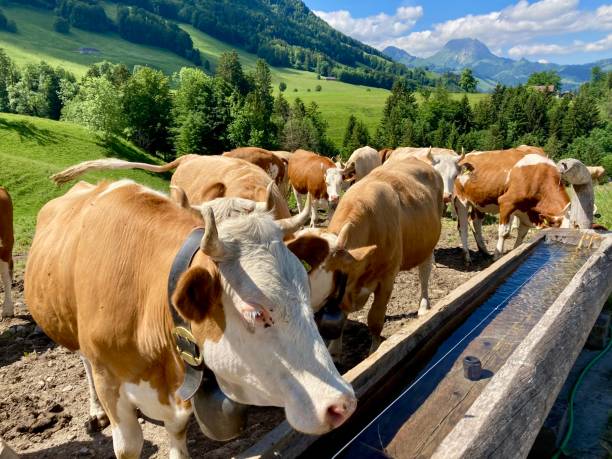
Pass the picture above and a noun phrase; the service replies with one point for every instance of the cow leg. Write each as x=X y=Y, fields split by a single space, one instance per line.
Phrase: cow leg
x=98 y=419
x=424 y=273
x=8 y=309
x=313 y=213
x=522 y=232
x=177 y=432
x=376 y=316
x=297 y=199
x=505 y=213
x=477 y=223
x=127 y=433
x=462 y=223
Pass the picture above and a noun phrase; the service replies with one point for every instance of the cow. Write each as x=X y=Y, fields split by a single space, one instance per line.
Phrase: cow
x=384 y=154
x=387 y=222
x=7 y=240
x=445 y=161
x=203 y=178
x=361 y=162
x=597 y=173
x=520 y=181
x=317 y=175
x=272 y=164
x=97 y=282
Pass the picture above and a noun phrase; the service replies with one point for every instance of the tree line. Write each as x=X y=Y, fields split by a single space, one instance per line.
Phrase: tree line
x=201 y=113
x=574 y=125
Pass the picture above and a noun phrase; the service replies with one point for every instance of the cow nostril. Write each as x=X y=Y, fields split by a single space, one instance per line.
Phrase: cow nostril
x=337 y=413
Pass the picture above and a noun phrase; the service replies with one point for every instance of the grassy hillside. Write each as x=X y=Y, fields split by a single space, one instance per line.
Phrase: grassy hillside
x=37 y=41
x=32 y=149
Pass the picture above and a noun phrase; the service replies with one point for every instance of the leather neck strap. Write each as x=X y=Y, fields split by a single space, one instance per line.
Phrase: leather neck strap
x=187 y=347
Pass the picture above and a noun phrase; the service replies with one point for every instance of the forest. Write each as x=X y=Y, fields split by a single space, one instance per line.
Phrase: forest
x=195 y=112
x=285 y=33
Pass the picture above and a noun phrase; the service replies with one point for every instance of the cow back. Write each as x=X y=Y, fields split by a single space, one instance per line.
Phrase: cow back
x=266 y=160
x=398 y=207
x=204 y=178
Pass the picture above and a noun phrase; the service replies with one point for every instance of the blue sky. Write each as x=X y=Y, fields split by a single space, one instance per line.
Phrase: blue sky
x=562 y=31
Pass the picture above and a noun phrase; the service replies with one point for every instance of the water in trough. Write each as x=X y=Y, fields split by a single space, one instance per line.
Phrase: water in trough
x=413 y=421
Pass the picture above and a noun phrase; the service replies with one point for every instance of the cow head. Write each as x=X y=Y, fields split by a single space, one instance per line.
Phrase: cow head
x=325 y=255
x=448 y=167
x=248 y=300
x=333 y=183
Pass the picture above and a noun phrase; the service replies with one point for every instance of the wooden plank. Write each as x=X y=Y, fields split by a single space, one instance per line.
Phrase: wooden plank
x=285 y=442
x=506 y=418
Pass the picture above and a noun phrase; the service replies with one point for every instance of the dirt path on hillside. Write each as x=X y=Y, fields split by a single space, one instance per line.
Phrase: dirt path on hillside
x=43 y=393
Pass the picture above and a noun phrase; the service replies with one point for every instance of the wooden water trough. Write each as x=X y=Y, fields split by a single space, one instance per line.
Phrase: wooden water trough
x=497 y=416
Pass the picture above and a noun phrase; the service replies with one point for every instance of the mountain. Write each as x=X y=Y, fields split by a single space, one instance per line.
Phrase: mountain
x=491 y=69
x=399 y=55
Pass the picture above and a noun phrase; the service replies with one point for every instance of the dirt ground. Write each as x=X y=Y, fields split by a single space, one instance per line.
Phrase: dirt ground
x=43 y=392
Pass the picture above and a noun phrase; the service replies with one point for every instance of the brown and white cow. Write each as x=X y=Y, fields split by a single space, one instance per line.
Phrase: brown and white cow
x=361 y=162
x=445 y=161
x=384 y=154
x=387 y=222
x=96 y=282
x=597 y=173
x=203 y=178
x=271 y=164
x=317 y=175
x=6 y=251
x=520 y=181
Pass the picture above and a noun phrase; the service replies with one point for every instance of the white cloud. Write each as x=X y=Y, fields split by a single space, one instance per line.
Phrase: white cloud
x=512 y=29
x=373 y=29
x=578 y=46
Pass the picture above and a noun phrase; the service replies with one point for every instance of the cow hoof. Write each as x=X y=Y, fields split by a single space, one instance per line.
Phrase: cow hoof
x=96 y=423
x=467 y=260
x=496 y=256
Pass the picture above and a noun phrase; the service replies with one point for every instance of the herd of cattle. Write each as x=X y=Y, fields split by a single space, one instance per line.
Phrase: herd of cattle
x=246 y=275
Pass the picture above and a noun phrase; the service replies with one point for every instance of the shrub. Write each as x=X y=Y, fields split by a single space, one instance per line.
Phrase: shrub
x=318 y=88
x=282 y=86
x=61 y=25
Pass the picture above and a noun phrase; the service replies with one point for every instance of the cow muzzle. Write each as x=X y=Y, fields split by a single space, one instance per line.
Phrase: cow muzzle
x=330 y=318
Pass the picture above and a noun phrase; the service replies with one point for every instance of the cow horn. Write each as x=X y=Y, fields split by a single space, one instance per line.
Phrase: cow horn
x=343 y=236
x=292 y=224
x=462 y=157
x=267 y=206
x=211 y=245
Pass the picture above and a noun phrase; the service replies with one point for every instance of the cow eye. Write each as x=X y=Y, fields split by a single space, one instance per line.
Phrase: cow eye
x=256 y=316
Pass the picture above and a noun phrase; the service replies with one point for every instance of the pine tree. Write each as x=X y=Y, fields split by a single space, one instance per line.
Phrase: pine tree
x=399 y=114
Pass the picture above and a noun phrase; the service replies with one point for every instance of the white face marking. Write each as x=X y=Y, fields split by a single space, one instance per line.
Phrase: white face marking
x=463 y=179
x=266 y=365
x=321 y=286
x=448 y=169
x=333 y=182
x=533 y=159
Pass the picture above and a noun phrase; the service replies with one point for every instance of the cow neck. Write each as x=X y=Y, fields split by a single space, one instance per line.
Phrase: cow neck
x=188 y=349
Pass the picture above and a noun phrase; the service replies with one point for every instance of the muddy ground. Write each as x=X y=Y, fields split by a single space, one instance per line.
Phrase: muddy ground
x=43 y=392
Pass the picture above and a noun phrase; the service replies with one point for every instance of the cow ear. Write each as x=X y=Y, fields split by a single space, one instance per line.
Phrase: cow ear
x=351 y=260
x=467 y=168
x=197 y=291
x=310 y=249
